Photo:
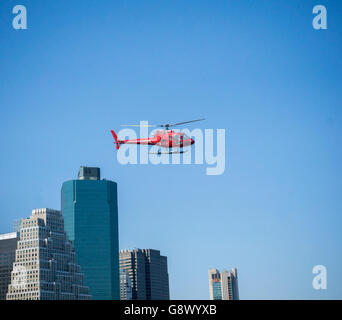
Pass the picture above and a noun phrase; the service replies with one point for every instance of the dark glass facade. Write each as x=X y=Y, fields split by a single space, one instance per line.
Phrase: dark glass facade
x=217 y=290
x=91 y=222
x=8 y=245
x=148 y=273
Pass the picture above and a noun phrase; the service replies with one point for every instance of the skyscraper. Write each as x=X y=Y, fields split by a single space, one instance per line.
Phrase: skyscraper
x=148 y=272
x=125 y=285
x=8 y=245
x=44 y=267
x=224 y=285
x=90 y=209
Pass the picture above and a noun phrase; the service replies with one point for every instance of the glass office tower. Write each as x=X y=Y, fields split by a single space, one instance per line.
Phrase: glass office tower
x=217 y=290
x=90 y=210
x=148 y=273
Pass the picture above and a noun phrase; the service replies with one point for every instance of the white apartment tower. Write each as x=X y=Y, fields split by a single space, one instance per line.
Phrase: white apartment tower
x=44 y=267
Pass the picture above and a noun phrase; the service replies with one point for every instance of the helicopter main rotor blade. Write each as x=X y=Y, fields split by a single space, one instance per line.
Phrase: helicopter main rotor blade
x=168 y=125
x=180 y=123
x=138 y=125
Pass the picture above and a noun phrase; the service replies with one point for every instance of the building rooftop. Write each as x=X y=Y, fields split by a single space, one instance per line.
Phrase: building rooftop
x=11 y=235
x=89 y=173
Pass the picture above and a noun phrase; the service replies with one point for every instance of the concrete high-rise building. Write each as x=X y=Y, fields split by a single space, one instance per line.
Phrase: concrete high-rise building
x=125 y=285
x=8 y=246
x=148 y=272
x=229 y=285
x=90 y=210
x=224 y=285
x=44 y=267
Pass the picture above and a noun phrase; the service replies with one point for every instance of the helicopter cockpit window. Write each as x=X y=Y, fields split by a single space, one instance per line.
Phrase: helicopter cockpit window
x=185 y=137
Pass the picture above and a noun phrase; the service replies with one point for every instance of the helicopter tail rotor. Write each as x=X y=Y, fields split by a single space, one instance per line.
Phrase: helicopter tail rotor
x=115 y=139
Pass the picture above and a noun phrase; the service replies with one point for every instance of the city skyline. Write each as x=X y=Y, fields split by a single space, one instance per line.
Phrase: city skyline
x=259 y=70
x=82 y=232
x=9 y=249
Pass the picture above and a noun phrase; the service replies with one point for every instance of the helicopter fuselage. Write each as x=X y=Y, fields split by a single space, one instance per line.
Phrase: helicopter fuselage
x=164 y=139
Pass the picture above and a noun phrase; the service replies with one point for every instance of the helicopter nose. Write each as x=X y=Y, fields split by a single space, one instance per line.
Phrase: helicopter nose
x=192 y=141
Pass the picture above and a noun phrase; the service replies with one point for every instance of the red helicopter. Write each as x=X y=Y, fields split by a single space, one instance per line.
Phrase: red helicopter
x=164 y=138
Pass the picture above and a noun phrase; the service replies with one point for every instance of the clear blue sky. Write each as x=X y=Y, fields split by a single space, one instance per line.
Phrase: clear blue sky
x=256 y=68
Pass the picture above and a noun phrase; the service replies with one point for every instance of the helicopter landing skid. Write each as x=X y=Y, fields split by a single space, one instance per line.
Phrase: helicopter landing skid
x=170 y=152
